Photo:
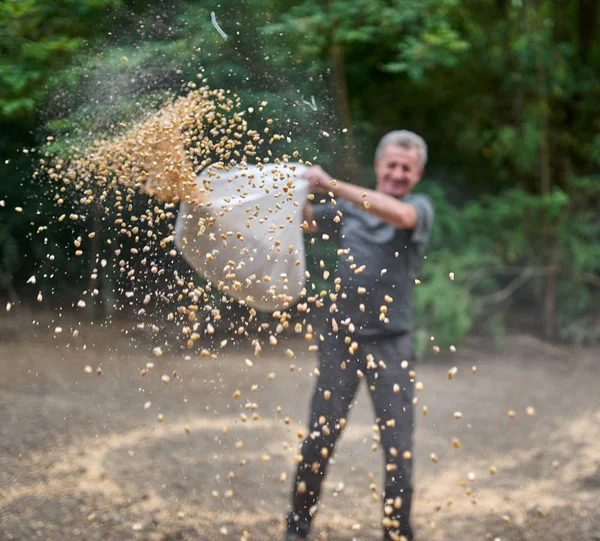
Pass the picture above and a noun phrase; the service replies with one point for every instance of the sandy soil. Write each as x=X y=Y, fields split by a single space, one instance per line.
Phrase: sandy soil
x=81 y=457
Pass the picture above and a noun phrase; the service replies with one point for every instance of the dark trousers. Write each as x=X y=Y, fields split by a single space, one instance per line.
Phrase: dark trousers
x=392 y=393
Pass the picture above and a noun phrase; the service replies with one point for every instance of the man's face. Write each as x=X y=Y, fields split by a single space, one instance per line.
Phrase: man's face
x=397 y=170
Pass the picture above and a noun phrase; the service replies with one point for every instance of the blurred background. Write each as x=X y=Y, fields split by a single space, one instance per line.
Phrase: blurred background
x=506 y=94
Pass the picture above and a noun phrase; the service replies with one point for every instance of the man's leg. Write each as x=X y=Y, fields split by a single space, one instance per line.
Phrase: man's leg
x=335 y=389
x=392 y=394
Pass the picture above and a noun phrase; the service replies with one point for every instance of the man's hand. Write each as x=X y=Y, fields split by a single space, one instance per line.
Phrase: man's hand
x=320 y=181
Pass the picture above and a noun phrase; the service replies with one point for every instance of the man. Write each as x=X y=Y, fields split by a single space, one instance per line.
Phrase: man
x=382 y=234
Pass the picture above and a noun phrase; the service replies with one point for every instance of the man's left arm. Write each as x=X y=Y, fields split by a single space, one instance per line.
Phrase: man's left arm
x=385 y=207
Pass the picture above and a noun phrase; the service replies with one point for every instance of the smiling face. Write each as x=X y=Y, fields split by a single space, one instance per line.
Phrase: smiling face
x=397 y=170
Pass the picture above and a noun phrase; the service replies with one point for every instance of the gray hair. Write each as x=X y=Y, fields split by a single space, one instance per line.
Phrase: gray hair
x=405 y=139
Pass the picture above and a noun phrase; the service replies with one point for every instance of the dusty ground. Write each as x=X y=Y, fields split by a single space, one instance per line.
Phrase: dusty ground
x=81 y=458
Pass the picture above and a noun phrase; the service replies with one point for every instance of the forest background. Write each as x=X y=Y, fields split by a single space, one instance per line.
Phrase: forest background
x=505 y=93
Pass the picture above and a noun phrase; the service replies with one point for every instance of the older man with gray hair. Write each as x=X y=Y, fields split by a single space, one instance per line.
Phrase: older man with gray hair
x=382 y=234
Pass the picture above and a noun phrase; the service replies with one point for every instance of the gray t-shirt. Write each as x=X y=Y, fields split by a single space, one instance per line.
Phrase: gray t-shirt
x=377 y=245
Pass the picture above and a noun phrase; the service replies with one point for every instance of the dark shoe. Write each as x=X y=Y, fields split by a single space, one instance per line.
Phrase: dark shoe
x=296 y=531
x=389 y=536
x=293 y=537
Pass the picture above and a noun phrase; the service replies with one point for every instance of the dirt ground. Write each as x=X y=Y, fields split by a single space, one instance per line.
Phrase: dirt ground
x=81 y=457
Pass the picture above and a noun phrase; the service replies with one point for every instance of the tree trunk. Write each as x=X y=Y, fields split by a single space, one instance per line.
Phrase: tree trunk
x=587 y=14
x=544 y=154
x=549 y=231
x=549 y=234
x=343 y=106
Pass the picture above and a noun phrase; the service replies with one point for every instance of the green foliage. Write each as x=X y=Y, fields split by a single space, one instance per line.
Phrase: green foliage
x=505 y=95
x=444 y=308
x=39 y=37
x=491 y=242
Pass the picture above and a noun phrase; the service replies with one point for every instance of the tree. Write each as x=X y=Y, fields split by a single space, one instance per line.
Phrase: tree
x=504 y=92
